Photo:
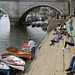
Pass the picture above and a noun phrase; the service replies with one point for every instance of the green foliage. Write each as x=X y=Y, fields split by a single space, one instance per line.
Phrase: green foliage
x=1 y=12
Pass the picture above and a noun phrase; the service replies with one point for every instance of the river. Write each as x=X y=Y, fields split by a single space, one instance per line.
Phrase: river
x=17 y=35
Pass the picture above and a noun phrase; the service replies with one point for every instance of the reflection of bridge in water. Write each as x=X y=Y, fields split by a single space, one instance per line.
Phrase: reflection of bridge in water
x=18 y=9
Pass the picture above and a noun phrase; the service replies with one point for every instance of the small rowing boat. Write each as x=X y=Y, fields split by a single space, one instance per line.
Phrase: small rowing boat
x=19 y=53
x=4 y=68
x=13 y=61
x=25 y=47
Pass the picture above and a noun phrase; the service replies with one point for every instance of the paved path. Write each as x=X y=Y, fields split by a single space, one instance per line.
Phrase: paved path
x=52 y=60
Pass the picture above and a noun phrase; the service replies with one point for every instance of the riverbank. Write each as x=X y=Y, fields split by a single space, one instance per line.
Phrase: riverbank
x=51 y=60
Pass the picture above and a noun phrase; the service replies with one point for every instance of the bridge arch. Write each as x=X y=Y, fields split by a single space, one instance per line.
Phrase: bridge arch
x=25 y=13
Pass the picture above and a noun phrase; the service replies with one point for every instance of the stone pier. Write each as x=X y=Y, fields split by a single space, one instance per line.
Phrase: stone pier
x=14 y=21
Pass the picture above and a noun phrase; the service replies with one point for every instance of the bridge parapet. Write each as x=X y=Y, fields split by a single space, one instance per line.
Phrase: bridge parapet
x=20 y=8
x=38 y=0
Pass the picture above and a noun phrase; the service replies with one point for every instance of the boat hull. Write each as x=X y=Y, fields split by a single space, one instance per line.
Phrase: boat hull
x=28 y=56
x=19 y=53
x=17 y=67
x=13 y=61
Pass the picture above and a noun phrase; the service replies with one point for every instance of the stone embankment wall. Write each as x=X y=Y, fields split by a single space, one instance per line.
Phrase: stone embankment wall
x=53 y=23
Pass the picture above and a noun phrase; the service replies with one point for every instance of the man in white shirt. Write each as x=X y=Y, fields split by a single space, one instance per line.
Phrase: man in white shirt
x=31 y=43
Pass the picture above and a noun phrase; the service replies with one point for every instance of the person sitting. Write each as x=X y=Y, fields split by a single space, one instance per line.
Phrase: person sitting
x=62 y=30
x=70 y=42
x=63 y=27
x=55 y=39
x=71 y=66
x=55 y=32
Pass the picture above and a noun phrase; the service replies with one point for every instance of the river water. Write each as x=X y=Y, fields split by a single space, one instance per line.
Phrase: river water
x=17 y=35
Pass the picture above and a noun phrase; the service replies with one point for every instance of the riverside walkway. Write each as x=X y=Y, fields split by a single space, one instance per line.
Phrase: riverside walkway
x=51 y=60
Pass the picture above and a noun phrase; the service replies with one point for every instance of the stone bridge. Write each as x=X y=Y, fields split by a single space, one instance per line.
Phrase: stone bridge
x=18 y=9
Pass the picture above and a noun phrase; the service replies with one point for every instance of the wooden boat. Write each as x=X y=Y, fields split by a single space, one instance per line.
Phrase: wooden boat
x=33 y=24
x=4 y=68
x=19 y=53
x=25 y=47
x=13 y=61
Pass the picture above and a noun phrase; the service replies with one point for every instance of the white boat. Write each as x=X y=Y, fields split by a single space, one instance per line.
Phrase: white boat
x=4 y=68
x=13 y=61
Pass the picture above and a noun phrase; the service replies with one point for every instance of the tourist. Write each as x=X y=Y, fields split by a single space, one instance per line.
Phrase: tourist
x=31 y=43
x=55 y=39
x=64 y=26
x=55 y=32
x=70 y=25
x=70 y=42
x=71 y=66
x=63 y=29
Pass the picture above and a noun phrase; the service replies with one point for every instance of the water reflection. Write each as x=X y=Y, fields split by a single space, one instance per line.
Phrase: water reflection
x=38 y=33
x=4 y=31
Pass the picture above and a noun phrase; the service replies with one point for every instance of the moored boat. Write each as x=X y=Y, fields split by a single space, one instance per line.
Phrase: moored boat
x=19 y=53
x=13 y=61
x=4 y=68
x=33 y=24
x=39 y=23
x=25 y=47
